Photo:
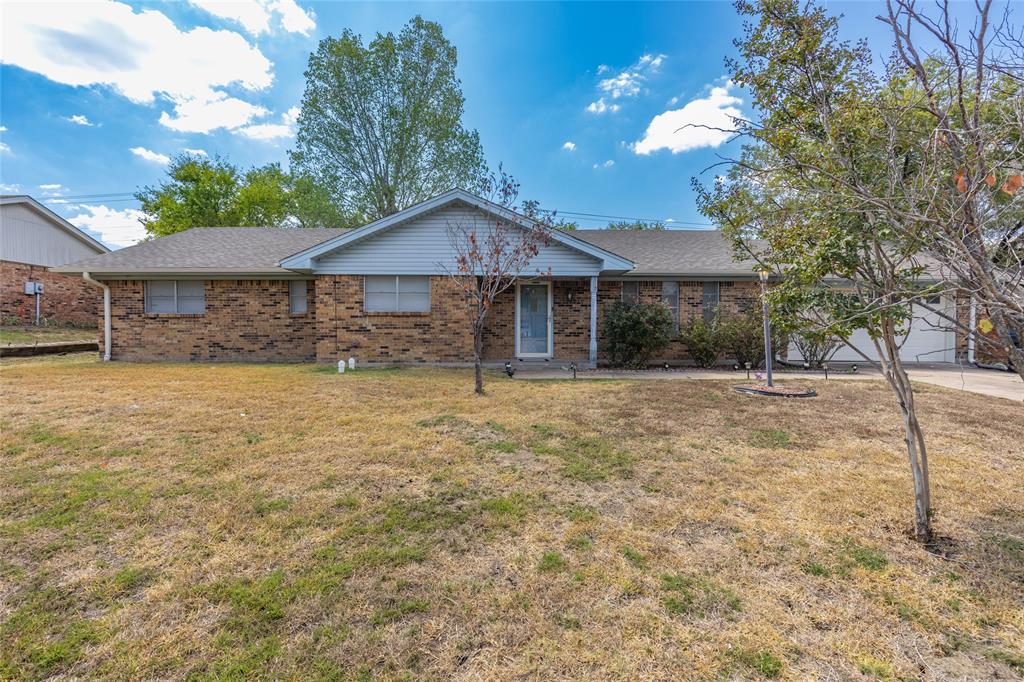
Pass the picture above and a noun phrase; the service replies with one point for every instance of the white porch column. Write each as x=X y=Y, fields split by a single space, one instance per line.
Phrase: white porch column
x=593 y=321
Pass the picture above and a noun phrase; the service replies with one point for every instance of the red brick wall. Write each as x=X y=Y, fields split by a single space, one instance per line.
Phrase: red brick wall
x=245 y=320
x=344 y=329
x=65 y=299
x=570 y=312
x=733 y=298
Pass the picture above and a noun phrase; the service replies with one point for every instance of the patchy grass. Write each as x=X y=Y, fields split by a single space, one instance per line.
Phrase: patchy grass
x=14 y=335
x=283 y=522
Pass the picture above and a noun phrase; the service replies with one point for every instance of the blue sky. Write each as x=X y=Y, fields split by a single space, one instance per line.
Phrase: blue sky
x=579 y=101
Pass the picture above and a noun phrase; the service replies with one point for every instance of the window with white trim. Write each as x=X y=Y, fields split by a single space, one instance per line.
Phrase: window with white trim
x=396 y=294
x=185 y=296
x=670 y=297
x=631 y=292
x=297 y=293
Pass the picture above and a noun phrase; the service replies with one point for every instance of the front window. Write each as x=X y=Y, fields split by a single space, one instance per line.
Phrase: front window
x=396 y=294
x=297 y=296
x=176 y=296
x=710 y=300
x=670 y=297
x=631 y=292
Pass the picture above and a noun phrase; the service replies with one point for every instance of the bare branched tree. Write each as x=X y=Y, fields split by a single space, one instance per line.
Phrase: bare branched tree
x=965 y=197
x=493 y=251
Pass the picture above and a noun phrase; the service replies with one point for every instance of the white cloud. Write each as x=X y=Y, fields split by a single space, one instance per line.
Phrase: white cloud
x=627 y=83
x=116 y=227
x=141 y=55
x=5 y=148
x=607 y=164
x=10 y=189
x=150 y=155
x=3 y=129
x=600 y=107
x=702 y=122
x=215 y=110
x=273 y=131
x=80 y=120
x=195 y=152
x=51 y=189
x=569 y=146
x=255 y=15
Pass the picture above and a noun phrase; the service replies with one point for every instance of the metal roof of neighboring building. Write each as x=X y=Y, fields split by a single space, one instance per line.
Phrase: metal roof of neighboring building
x=690 y=253
x=213 y=250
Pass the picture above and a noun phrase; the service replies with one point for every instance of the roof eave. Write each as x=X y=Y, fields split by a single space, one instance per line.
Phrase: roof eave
x=212 y=273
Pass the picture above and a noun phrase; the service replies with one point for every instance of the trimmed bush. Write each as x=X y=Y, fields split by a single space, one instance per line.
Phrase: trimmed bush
x=816 y=348
x=703 y=341
x=743 y=337
x=633 y=332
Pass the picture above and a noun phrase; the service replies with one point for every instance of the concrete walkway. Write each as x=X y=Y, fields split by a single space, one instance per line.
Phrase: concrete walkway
x=984 y=381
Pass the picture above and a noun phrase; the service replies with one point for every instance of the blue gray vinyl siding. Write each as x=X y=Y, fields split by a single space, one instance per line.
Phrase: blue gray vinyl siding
x=421 y=247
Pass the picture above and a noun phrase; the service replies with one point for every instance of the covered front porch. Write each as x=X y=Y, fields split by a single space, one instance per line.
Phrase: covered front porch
x=544 y=321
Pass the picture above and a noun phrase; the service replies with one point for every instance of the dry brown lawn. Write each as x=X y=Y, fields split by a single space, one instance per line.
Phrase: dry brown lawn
x=284 y=522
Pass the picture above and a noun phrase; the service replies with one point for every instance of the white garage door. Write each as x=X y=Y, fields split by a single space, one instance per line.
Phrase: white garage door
x=930 y=339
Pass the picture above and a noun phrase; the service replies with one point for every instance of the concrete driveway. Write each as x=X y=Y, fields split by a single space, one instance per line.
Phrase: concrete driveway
x=984 y=381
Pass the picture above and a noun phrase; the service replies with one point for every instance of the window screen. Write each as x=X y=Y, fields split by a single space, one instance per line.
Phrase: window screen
x=670 y=297
x=160 y=297
x=710 y=300
x=396 y=293
x=176 y=296
x=631 y=292
x=191 y=297
x=413 y=294
x=297 y=296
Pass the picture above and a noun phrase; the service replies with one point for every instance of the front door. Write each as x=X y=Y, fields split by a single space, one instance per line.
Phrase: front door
x=533 y=320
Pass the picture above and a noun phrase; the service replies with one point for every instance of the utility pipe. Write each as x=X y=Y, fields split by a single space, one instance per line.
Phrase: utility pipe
x=106 y=314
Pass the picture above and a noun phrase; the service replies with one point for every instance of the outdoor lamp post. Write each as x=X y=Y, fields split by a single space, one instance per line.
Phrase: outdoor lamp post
x=763 y=276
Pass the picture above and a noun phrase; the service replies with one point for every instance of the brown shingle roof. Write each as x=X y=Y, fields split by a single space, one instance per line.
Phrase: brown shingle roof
x=228 y=250
x=693 y=253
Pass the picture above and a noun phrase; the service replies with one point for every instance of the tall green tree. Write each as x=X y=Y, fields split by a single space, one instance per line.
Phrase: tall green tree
x=381 y=124
x=212 y=192
x=636 y=225
x=824 y=140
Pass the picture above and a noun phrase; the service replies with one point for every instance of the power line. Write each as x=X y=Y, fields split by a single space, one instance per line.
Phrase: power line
x=576 y=215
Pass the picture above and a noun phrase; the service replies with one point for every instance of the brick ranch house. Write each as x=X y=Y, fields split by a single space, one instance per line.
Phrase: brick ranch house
x=382 y=293
x=32 y=240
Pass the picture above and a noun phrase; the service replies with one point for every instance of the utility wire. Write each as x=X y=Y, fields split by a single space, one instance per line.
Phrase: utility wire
x=575 y=215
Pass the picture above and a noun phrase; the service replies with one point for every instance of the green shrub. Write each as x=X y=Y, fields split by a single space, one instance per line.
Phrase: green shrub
x=816 y=348
x=703 y=341
x=633 y=332
x=743 y=337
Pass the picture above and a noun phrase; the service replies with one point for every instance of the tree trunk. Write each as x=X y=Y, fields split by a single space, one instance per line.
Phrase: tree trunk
x=478 y=343
x=917 y=454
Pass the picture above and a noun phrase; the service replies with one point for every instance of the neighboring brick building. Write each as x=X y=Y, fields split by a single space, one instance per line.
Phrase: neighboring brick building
x=382 y=293
x=32 y=240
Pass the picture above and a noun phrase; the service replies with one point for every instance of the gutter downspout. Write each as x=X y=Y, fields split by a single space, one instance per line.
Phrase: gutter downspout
x=106 y=314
